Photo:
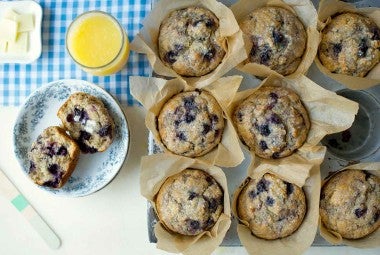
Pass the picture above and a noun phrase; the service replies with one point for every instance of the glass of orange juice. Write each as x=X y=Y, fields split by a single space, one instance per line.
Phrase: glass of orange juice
x=97 y=43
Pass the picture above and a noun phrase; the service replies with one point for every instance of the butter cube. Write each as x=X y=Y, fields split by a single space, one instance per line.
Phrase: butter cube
x=20 y=46
x=8 y=30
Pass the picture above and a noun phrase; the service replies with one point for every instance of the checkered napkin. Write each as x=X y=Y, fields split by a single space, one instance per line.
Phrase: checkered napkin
x=17 y=81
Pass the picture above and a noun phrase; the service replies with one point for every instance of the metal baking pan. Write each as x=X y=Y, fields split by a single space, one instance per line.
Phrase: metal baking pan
x=360 y=143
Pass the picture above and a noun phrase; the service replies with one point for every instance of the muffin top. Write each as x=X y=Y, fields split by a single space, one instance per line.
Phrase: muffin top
x=191 y=123
x=350 y=203
x=272 y=122
x=278 y=38
x=189 y=42
x=88 y=122
x=350 y=45
x=273 y=208
x=190 y=202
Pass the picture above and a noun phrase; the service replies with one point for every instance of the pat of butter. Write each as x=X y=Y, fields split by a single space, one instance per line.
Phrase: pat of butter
x=21 y=44
x=25 y=21
x=8 y=30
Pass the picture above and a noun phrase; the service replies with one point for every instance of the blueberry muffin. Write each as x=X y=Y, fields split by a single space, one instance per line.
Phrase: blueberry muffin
x=350 y=45
x=188 y=41
x=273 y=208
x=350 y=203
x=189 y=202
x=278 y=38
x=191 y=123
x=272 y=122
x=88 y=122
x=53 y=157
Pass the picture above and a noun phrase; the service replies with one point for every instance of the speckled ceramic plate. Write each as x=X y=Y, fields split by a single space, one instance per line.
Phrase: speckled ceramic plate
x=93 y=171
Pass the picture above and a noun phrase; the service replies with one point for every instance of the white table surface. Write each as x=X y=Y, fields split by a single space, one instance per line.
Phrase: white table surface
x=111 y=221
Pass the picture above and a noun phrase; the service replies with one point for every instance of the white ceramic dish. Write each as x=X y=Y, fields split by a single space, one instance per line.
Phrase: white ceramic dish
x=93 y=171
x=35 y=42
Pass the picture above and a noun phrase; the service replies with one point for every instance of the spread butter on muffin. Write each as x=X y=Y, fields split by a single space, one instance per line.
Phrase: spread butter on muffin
x=191 y=123
x=190 y=202
x=272 y=122
x=273 y=208
x=188 y=41
x=350 y=203
x=350 y=45
x=278 y=38
x=53 y=158
x=88 y=122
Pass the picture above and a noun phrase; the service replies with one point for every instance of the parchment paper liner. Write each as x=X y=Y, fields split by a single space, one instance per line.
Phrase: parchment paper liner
x=146 y=40
x=328 y=112
x=304 y=10
x=370 y=241
x=153 y=93
x=155 y=170
x=304 y=173
x=327 y=9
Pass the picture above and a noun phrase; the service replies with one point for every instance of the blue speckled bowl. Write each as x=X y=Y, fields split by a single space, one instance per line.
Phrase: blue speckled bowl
x=93 y=171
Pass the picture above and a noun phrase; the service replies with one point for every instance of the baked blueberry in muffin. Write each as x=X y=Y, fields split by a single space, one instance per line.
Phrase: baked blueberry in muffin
x=350 y=45
x=272 y=122
x=277 y=36
x=188 y=41
x=350 y=203
x=88 y=122
x=273 y=208
x=191 y=123
x=190 y=202
x=53 y=157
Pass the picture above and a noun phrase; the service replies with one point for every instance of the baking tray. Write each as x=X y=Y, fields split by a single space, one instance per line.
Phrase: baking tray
x=360 y=143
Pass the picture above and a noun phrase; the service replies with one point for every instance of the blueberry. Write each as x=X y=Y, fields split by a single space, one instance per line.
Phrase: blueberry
x=70 y=118
x=51 y=184
x=375 y=217
x=84 y=135
x=264 y=130
x=263 y=145
x=274 y=118
x=363 y=48
x=209 y=222
x=193 y=225
x=252 y=194
x=265 y=54
x=62 y=151
x=32 y=167
x=192 y=195
x=82 y=114
x=51 y=149
x=275 y=155
x=209 y=55
x=212 y=204
x=189 y=117
x=181 y=136
x=171 y=57
x=189 y=103
x=105 y=131
x=209 y=180
x=269 y=201
x=239 y=116
x=279 y=39
x=53 y=169
x=376 y=33
x=337 y=48
x=289 y=188
x=262 y=186
x=273 y=96
x=359 y=212
x=206 y=129
x=85 y=148
x=214 y=118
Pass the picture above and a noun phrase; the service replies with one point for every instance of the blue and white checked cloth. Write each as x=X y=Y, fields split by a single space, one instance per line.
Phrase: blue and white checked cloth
x=17 y=81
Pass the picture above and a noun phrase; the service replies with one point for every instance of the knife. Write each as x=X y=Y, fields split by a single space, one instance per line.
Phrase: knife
x=10 y=192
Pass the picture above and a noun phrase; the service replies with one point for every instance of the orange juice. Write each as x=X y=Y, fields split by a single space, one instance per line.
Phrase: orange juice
x=98 y=43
